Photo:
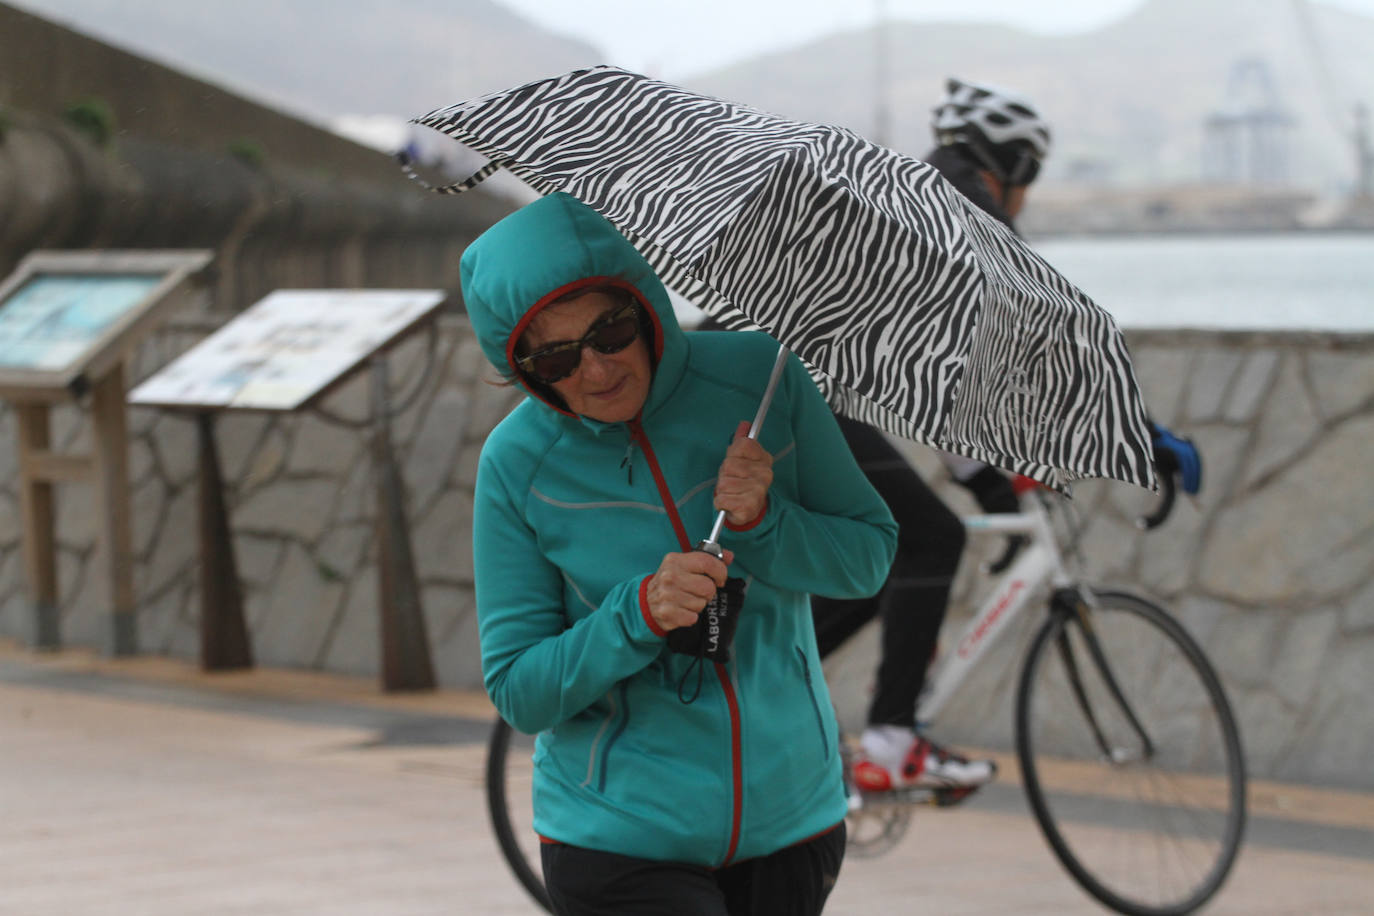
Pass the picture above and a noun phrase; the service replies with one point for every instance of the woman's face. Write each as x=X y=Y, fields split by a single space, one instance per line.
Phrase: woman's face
x=610 y=387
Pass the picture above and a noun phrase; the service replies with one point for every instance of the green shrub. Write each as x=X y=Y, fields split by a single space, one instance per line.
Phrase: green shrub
x=249 y=152
x=94 y=118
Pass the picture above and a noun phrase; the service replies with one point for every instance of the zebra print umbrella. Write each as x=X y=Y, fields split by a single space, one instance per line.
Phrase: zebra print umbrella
x=916 y=311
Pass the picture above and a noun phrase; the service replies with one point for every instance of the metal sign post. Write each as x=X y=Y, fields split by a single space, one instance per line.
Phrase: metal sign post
x=224 y=641
x=406 y=661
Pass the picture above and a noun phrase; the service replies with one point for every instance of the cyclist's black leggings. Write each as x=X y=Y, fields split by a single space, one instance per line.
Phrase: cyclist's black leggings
x=912 y=601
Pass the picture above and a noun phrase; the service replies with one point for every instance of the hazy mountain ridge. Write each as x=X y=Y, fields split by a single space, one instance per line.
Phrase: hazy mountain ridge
x=1128 y=101
x=322 y=59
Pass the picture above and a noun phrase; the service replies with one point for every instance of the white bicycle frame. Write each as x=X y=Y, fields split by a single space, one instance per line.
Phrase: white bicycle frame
x=1038 y=562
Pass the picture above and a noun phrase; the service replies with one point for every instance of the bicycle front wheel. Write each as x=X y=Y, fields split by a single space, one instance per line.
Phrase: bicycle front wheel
x=1131 y=757
x=510 y=770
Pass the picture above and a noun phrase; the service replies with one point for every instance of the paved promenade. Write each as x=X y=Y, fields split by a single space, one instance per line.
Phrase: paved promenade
x=143 y=786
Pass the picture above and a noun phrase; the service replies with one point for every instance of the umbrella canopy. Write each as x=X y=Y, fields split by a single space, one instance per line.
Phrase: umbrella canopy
x=916 y=311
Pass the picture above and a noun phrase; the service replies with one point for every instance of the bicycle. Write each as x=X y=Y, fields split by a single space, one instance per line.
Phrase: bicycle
x=1116 y=707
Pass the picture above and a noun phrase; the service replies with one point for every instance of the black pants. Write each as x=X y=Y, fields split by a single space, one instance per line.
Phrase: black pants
x=912 y=601
x=791 y=882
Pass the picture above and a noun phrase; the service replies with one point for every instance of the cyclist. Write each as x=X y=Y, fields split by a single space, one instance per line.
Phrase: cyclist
x=990 y=144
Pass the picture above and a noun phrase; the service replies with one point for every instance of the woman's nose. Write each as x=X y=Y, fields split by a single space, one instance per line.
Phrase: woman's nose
x=594 y=364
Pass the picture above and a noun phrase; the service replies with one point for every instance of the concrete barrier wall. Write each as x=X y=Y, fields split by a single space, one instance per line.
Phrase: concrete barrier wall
x=283 y=203
x=270 y=226
x=45 y=67
x=1271 y=569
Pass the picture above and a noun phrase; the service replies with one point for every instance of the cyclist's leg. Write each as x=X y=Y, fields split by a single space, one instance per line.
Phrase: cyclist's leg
x=837 y=619
x=912 y=603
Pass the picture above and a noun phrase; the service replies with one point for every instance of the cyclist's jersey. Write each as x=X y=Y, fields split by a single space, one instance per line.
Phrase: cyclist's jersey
x=962 y=171
x=572 y=517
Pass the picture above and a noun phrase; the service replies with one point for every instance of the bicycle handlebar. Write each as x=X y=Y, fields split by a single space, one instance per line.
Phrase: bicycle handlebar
x=1168 y=488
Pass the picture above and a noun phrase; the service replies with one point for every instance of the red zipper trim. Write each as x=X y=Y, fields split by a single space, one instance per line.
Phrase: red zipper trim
x=737 y=769
x=664 y=494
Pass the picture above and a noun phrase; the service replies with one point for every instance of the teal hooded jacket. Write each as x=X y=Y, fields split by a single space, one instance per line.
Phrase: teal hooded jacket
x=572 y=517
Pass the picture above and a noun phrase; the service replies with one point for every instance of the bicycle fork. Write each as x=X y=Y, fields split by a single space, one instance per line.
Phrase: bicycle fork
x=1073 y=606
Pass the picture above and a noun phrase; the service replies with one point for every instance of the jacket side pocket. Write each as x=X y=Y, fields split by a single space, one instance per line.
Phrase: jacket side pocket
x=815 y=704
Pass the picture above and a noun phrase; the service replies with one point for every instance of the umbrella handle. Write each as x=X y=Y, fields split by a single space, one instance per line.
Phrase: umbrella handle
x=709 y=545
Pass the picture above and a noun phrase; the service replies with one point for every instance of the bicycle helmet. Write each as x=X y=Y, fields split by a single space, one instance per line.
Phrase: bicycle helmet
x=1002 y=129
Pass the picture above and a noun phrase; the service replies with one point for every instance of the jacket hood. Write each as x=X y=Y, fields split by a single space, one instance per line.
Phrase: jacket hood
x=548 y=249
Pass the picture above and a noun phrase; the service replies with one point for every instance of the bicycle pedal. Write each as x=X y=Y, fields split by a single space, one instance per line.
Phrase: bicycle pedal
x=914 y=795
x=945 y=798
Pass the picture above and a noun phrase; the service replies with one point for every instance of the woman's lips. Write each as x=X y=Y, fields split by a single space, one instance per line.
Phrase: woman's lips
x=611 y=392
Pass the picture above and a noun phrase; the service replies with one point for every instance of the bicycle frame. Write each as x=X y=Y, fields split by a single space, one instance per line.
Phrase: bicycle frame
x=1038 y=563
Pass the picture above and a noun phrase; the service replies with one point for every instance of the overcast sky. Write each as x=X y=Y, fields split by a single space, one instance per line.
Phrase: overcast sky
x=676 y=38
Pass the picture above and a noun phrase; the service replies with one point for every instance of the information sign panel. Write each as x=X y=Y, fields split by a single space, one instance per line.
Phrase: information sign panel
x=287 y=349
x=52 y=319
x=64 y=314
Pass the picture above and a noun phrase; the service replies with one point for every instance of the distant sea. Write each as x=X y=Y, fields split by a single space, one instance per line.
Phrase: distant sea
x=1314 y=281
x=1255 y=281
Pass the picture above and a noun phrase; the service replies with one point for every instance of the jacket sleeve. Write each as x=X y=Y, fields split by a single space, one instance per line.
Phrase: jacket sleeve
x=537 y=670
x=837 y=538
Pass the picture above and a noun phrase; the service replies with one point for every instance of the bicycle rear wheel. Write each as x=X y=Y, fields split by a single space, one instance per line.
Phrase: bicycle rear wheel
x=509 y=774
x=1131 y=757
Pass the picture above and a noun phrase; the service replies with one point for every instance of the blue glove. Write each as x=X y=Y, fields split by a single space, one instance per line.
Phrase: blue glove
x=1177 y=455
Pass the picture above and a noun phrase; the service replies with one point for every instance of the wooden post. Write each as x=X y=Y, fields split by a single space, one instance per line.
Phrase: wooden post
x=37 y=509
x=224 y=639
x=111 y=465
x=406 y=662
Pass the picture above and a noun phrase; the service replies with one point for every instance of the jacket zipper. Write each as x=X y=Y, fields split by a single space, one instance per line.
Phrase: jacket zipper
x=737 y=769
x=664 y=494
x=731 y=700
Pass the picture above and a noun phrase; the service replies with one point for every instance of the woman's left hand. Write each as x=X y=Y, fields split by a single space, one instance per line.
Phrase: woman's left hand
x=744 y=478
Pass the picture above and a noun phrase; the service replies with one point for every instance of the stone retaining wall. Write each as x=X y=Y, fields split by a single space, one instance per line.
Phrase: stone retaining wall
x=1270 y=569
x=301 y=498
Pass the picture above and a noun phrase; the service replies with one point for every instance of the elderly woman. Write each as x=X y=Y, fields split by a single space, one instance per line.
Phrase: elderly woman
x=725 y=798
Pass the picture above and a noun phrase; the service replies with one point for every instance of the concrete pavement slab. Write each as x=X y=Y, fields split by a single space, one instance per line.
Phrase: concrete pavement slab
x=144 y=786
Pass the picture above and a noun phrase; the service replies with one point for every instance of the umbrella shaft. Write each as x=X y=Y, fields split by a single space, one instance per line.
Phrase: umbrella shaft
x=773 y=380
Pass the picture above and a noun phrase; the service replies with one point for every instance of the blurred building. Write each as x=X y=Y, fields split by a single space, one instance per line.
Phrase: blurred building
x=1247 y=138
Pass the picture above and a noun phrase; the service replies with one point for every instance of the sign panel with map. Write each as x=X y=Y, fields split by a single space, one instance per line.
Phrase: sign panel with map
x=65 y=313
x=51 y=320
x=287 y=349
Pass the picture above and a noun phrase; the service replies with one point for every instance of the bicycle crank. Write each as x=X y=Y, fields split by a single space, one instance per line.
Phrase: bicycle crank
x=875 y=827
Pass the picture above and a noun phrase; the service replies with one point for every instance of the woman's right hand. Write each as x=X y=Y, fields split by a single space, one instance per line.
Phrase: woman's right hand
x=683 y=584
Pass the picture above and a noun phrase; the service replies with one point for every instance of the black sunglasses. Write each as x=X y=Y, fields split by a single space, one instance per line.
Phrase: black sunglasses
x=611 y=333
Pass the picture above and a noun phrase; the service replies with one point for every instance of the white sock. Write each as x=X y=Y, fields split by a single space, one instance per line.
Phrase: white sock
x=886 y=745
